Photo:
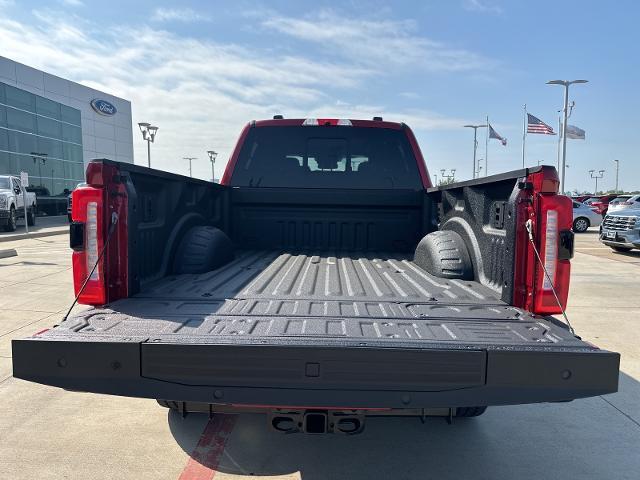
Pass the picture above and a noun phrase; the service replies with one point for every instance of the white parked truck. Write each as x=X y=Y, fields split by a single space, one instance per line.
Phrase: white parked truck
x=12 y=198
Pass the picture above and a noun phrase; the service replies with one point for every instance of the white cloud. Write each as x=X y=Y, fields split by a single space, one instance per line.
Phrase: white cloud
x=382 y=44
x=482 y=7
x=200 y=93
x=73 y=3
x=178 y=15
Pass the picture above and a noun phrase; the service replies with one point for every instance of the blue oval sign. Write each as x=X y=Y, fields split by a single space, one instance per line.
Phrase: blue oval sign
x=103 y=107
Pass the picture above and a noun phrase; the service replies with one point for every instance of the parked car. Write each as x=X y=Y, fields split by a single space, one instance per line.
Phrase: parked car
x=624 y=203
x=580 y=198
x=12 y=197
x=584 y=217
x=600 y=202
x=616 y=202
x=621 y=230
x=322 y=281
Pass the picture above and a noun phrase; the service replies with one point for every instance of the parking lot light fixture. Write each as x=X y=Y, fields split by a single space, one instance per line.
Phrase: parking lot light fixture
x=148 y=135
x=593 y=174
x=191 y=159
x=212 y=158
x=565 y=110
x=475 y=144
x=449 y=178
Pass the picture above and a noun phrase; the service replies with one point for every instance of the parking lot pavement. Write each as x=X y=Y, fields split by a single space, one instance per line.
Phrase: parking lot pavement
x=50 y=433
x=45 y=226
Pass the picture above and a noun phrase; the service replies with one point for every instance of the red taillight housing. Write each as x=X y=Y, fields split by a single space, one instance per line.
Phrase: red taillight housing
x=551 y=217
x=555 y=216
x=101 y=208
x=87 y=208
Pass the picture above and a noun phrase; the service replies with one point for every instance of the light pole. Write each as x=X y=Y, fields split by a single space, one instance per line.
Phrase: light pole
x=617 y=171
x=191 y=159
x=149 y=135
x=565 y=114
x=475 y=144
x=212 y=157
x=449 y=177
x=599 y=175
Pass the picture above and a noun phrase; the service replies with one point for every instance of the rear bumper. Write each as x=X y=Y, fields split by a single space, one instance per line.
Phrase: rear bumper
x=330 y=377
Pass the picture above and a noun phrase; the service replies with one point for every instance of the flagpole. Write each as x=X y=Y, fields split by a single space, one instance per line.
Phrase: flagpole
x=524 y=131
x=559 y=140
x=486 y=149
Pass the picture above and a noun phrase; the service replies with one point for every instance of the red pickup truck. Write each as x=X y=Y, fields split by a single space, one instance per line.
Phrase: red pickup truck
x=323 y=281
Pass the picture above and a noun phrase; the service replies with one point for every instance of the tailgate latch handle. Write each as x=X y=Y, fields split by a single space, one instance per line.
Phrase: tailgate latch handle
x=76 y=236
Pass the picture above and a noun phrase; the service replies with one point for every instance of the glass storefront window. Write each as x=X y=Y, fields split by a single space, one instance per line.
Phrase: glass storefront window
x=16 y=97
x=20 y=120
x=50 y=148
x=4 y=139
x=32 y=124
x=72 y=152
x=69 y=115
x=48 y=127
x=71 y=133
x=5 y=165
x=47 y=107
x=22 y=142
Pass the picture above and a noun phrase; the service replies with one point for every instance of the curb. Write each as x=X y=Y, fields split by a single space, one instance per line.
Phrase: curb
x=8 y=253
x=22 y=236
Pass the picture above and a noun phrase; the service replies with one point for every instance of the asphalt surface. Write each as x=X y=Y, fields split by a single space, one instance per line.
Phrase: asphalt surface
x=46 y=432
x=44 y=227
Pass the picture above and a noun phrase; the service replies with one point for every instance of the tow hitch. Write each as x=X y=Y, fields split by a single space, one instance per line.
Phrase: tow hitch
x=316 y=422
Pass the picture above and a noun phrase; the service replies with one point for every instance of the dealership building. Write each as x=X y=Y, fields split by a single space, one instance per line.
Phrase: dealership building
x=51 y=128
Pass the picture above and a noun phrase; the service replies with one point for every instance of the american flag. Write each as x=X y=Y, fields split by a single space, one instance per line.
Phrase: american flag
x=535 y=125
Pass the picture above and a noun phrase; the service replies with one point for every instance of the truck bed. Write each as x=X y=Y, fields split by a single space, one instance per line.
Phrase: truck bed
x=317 y=329
x=316 y=298
x=319 y=309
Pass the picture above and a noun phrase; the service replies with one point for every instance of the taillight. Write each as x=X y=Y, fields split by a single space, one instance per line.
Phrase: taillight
x=555 y=218
x=99 y=214
x=87 y=208
x=545 y=218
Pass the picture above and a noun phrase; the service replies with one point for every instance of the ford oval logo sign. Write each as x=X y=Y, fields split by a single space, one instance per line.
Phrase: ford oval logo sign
x=103 y=107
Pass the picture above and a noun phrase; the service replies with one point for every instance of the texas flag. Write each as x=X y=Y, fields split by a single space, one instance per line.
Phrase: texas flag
x=494 y=134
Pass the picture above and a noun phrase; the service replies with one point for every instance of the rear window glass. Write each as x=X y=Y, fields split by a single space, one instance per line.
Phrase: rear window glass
x=327 y=157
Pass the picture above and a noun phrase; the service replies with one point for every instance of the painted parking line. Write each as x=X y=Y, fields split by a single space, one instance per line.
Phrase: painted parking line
x=205 y=458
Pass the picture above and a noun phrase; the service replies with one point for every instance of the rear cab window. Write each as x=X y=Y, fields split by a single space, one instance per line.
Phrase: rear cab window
x=327 y=157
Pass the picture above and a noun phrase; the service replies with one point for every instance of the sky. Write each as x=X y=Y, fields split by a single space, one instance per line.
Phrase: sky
x=201 y=70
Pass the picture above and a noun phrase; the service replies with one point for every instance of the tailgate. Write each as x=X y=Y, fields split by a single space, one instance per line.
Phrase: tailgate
x=300 y=371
